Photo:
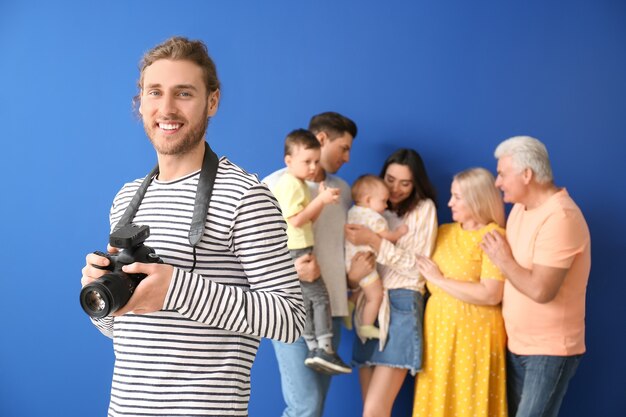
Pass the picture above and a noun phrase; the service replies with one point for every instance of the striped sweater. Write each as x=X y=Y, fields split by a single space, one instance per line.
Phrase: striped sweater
x=193 y=358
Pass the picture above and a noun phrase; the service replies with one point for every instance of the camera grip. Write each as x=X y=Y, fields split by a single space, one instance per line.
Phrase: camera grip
x=109 y=267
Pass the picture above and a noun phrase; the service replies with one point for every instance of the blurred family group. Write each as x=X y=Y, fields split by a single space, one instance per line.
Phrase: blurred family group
x=487 y=312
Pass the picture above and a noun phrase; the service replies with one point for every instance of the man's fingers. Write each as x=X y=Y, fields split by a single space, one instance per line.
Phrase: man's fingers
x=112 y=249
x=488 y=240
x=496 y=236
x=305 y=258
x=97 y=260
x=139 y=268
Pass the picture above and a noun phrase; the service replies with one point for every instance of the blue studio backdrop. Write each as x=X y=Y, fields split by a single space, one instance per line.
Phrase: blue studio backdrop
x=449 y=78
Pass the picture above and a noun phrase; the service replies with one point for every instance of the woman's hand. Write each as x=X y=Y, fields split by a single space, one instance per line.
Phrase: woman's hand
x=497 y=249
x=361 y=235
x=362 y=264
x=486 y=292
x=429 y=270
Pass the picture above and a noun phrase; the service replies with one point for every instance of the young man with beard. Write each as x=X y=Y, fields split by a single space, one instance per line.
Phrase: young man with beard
x=304 y=390
x=187 y=338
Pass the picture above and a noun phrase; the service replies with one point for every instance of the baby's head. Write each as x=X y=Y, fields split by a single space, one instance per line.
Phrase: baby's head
x=302 y=153
x=370 y=191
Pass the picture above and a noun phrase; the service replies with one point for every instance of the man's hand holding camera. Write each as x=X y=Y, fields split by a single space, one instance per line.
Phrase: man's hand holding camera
x=149 y=295
x=130 y=277
x=95 y=266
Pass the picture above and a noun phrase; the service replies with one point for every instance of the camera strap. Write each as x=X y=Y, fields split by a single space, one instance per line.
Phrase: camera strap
x=201 y=204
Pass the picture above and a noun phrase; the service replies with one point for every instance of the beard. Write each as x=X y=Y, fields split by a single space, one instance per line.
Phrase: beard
x=178 y=147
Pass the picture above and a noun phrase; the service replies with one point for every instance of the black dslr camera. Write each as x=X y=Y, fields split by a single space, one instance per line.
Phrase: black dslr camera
x=112 y=291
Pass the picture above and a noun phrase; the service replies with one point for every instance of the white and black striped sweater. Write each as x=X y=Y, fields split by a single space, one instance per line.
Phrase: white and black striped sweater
x=193 y=358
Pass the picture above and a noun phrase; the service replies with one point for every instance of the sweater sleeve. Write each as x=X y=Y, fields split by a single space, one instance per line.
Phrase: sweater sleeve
x=420 y=240
x=105 y=325
x=272 y=305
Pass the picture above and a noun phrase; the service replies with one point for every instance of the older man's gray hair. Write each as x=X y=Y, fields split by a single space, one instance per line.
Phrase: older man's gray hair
x=527 y=152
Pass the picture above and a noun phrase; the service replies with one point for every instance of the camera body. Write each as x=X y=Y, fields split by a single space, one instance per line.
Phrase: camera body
x=112 y=290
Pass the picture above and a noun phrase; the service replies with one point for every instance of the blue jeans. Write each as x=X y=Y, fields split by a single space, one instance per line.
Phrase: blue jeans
x=536 y=384
x=405 y=339
x=304 y=390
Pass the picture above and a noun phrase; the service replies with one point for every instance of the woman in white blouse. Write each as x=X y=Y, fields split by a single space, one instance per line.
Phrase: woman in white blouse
x=384 y=363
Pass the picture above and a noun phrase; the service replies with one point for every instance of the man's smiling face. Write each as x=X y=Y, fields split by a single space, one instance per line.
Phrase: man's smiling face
x=175 y=106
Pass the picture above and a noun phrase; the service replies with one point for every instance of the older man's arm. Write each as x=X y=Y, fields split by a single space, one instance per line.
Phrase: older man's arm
x=541 y=283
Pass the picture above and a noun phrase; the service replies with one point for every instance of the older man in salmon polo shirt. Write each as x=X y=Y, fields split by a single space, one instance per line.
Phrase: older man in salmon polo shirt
x=546 y=258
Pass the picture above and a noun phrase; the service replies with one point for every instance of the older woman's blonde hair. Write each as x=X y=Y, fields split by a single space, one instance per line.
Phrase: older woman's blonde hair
x=481 y=195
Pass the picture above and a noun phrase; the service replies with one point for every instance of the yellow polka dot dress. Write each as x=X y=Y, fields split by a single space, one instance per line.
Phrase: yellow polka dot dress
x=464 y=344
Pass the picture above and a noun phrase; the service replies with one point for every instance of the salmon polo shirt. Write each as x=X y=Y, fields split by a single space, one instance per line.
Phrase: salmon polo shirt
x=554 y=234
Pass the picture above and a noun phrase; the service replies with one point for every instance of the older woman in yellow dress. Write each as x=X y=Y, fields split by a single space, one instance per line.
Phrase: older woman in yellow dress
x=464 y=363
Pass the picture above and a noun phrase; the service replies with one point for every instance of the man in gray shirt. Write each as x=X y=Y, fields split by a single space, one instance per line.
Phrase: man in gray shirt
x=304 y=390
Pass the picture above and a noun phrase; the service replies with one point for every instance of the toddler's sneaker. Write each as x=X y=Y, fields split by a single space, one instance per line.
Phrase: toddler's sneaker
x=309 y=357
x=330 y=363
x=309 y=360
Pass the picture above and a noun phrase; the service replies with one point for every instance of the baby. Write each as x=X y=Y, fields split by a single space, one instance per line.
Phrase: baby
x=370 y=195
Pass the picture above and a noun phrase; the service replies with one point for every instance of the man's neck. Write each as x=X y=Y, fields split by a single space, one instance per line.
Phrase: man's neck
x=172 y=167
x=539 y=194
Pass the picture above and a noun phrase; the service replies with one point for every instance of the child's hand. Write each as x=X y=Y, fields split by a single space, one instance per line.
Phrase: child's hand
x=328 y=195
x=394 y=235
x=401 y=230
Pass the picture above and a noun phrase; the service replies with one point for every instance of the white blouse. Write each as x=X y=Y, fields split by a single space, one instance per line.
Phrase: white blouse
x=396 y=263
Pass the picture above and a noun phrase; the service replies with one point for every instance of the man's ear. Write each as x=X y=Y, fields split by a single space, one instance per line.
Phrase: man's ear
x=527 y=175
x=322 y=137
x=213 y=102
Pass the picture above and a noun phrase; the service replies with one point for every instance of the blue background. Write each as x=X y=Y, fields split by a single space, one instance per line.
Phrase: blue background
x=450 y=78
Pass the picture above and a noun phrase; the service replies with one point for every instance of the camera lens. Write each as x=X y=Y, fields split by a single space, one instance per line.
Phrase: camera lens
x=97 y=300
x=106 y=294
x=94 y=301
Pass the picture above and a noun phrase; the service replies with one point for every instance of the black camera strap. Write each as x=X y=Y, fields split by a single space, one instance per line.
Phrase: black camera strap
x=201 y=205
x=203 y=195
